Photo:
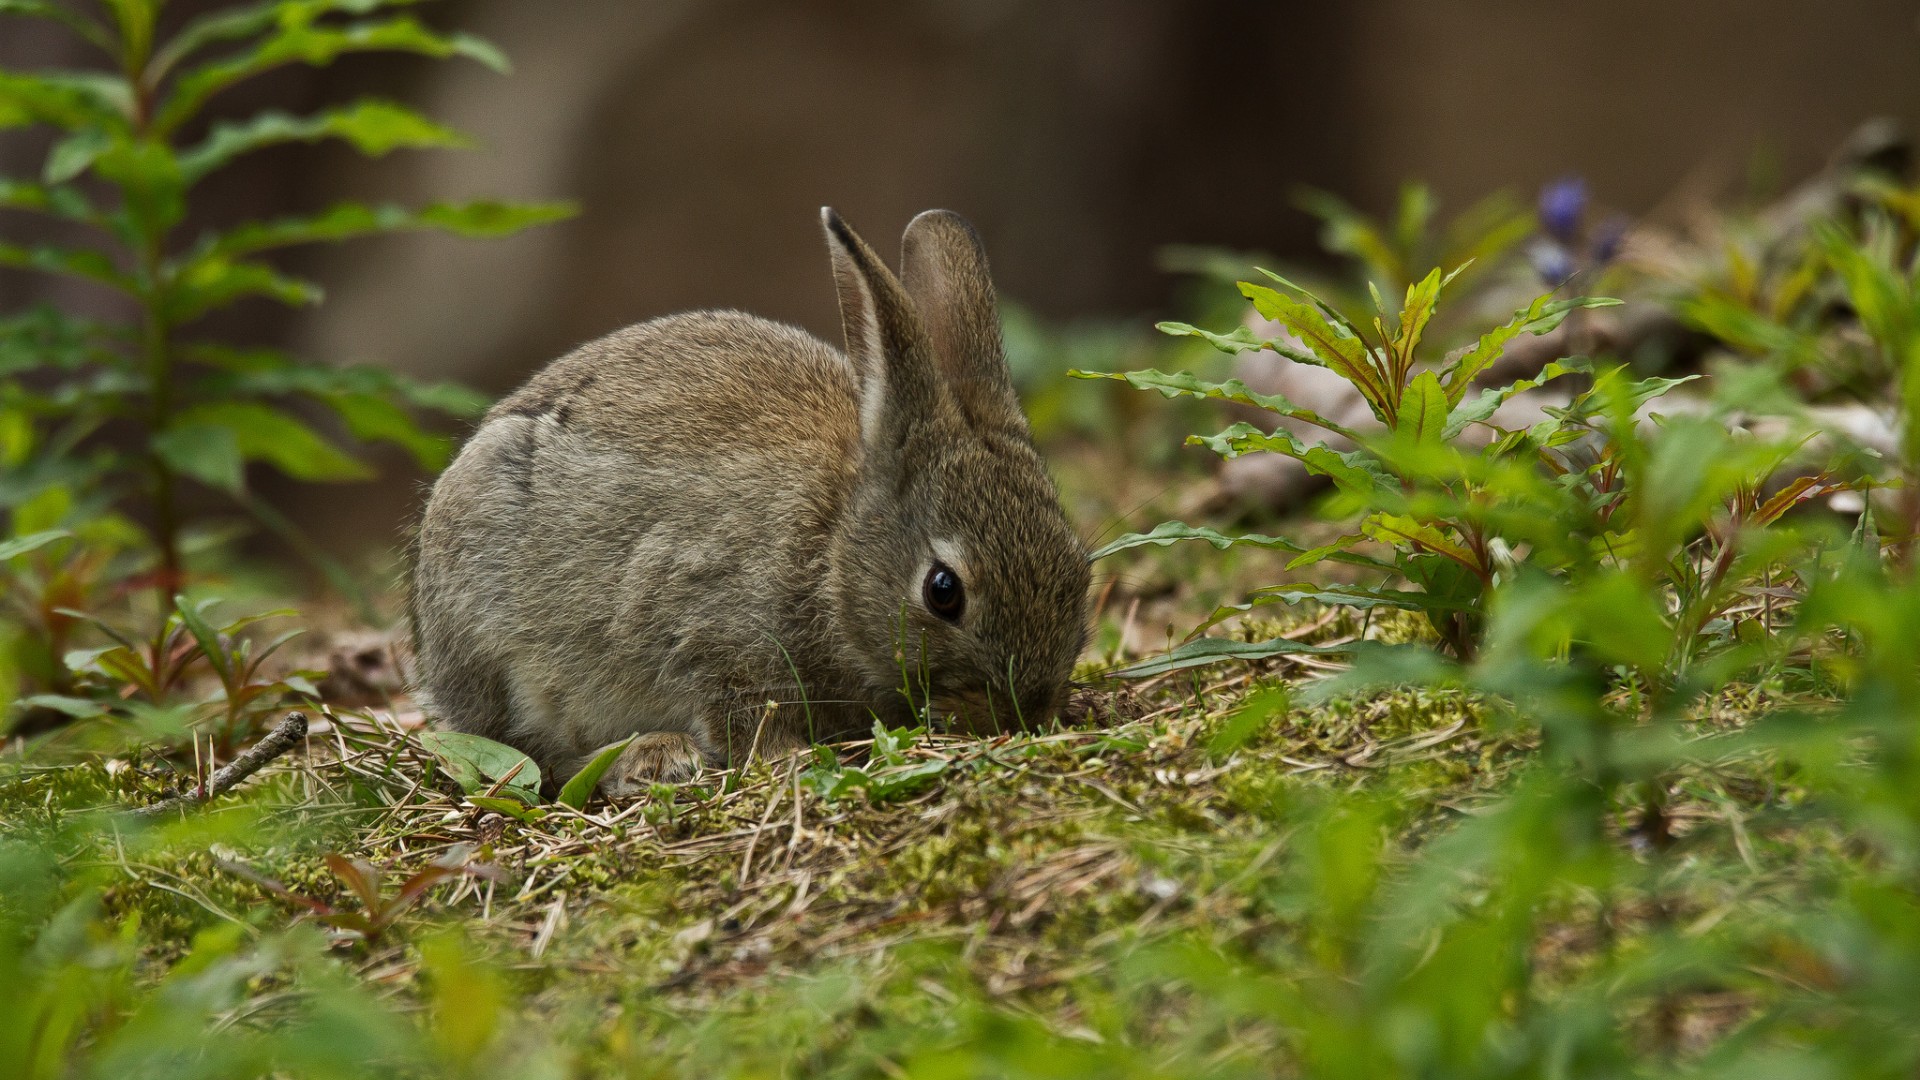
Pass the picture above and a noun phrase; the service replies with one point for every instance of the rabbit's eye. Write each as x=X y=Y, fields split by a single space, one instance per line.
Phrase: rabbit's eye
x=943 y=594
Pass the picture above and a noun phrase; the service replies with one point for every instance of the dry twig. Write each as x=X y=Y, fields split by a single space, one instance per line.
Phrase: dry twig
x=278 y=741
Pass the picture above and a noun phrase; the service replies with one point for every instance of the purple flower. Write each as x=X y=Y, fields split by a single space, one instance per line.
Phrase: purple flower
x=1561 y=205
x=1552 y=262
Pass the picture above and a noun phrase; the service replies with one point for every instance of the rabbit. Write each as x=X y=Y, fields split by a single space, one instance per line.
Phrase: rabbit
x=724 y=536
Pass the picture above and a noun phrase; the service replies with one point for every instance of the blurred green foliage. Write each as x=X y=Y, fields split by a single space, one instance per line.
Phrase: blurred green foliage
x=100 y=418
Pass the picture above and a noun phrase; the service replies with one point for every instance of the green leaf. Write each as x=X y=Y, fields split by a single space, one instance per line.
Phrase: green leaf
x=20 y=545
x=205 y=636
x=1407 y=534
x=153 y=193
x=374 y=128
x=1540 y=317
x=899 y=781
x=1203 y=651
x=251 y=20
x=77 y=707
x=578 y=790
x=1628 y=396
x=69 y=100
x=1353 y=471
x=1186 y=384
x=246 y=372
x=349 y=220
x=1361 y=598
x=1260 y=709
x=298 y=39
x=1240 y=339
x=208 y=283
x=375 y=418
x=83 y=263
x=55 y=200
x=93 y=32
x=1170 y=532
x=207 y=453
x=479 y=765
x=1415 y=313
x=1336 y=348
x=258 y=432
x=76 y=154
x=1423 y=410
x=1489 y=400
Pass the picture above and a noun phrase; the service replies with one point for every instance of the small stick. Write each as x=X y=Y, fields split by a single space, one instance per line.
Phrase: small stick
x=278 y=741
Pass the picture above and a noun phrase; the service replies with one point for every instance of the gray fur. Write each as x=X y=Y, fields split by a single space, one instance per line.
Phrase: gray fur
x=671 y=527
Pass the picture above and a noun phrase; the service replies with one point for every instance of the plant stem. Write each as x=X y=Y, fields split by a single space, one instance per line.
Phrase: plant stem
x=157 y=348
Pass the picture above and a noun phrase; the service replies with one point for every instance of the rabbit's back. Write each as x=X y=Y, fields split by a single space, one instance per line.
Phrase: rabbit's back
x=627 y=528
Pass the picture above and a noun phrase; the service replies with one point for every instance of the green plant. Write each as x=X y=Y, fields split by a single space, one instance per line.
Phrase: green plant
x=1418 y=490
x=377 y=912
x=141 y=680
x=1835 y=316
x=131 y=149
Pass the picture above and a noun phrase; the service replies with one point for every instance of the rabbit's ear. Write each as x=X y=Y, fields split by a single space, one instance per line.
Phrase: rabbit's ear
x=944 y=270
x=898 y=383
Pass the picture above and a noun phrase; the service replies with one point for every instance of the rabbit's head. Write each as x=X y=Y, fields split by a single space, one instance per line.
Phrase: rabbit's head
x=956 y=575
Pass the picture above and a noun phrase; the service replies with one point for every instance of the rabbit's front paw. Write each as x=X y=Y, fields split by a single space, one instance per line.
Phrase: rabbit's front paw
x=658 y=757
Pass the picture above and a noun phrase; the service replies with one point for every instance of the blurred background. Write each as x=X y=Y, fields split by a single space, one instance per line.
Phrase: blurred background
x=1081 y=136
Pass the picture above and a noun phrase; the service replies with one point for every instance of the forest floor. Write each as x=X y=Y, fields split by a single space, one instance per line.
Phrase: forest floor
x=835 y=908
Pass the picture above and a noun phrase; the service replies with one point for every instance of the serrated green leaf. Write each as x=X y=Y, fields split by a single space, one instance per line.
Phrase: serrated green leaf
x=251 y=20
x=349 y=220
x=480 y=765
x=1542 y=316
x=1330 y=345
x=374 y=128
x=298 y=39
x=584 y=783
x=1352 y=471
x=1240 y=339
x=1361 y=598
x=1172 y=532
x=1489 y=400
x=1186 y=384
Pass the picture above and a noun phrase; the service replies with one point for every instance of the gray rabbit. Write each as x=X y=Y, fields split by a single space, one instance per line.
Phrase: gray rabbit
x=725 y=535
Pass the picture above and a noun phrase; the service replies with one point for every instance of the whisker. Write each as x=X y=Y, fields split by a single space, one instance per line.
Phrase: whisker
x=1117 y=521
